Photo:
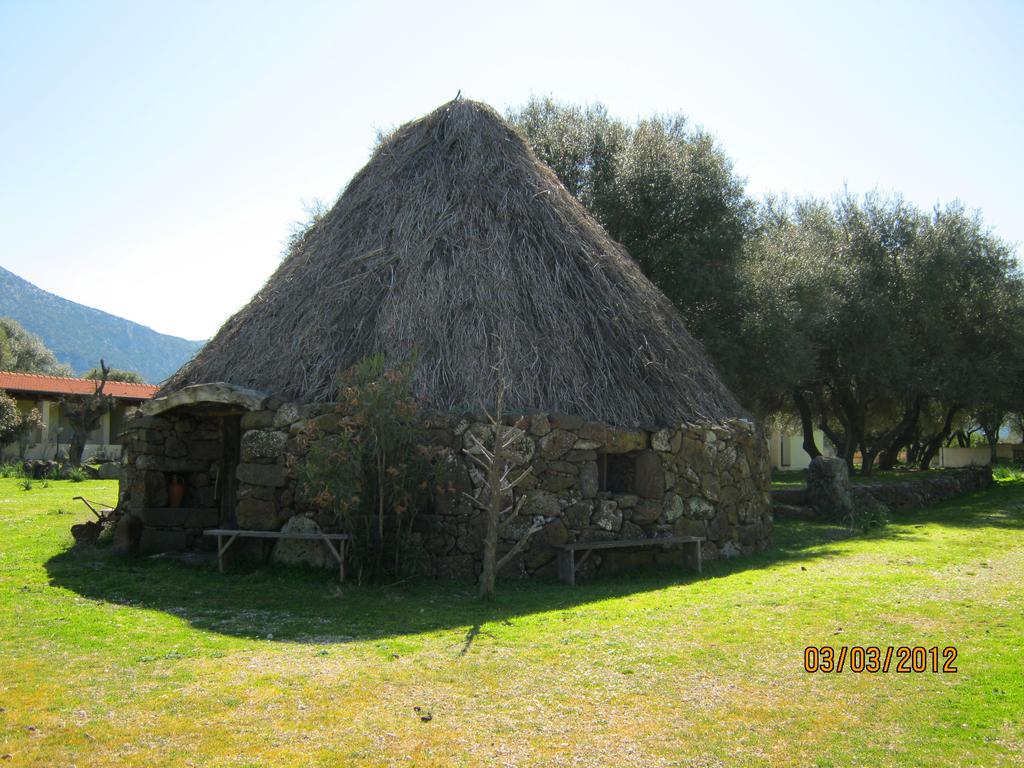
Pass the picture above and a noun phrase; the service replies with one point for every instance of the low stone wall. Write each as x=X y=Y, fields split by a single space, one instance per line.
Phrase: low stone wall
x=930 y=489
x=927 y=488
x=588 y=482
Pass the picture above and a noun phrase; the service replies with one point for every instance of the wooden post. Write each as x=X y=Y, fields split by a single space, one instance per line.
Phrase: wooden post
x=567 y=566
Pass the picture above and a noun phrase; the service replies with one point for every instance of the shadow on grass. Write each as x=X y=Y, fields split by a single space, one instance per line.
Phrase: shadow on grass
x=1001 y=506
x=300 y=605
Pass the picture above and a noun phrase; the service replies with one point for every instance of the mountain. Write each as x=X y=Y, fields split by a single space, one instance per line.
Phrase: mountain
x=80 y=335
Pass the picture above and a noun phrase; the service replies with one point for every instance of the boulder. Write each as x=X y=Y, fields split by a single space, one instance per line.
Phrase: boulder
x=109 y=471
x=292 y=552
x=828 y=488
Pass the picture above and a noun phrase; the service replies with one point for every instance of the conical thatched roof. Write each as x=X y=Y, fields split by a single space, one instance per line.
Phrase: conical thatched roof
x=456 y=241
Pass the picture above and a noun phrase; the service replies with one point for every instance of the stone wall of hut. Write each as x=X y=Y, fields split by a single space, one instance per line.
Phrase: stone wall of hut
x=587 y=482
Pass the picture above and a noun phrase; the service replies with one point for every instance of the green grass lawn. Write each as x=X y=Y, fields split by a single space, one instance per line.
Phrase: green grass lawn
x=108 y=661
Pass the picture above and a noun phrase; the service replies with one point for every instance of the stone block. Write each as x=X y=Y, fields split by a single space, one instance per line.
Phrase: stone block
x=262 y=444
x=179 y=517
x=287 y=414
x=155 y=493
x=520 y=446
x=646 y=511
x=588 y=479
x=556 y=481
x=667 y=440
x=541 y=502
x=674 y=507
x=262 y=474
x=579 y=457
x=258 y=419
x=650 y=475
x=556 y=443
x=257 y=515
x=624 y=440
x=699 y=509
x=246 y=491
x=607 y=515
x=175 y=447
x=566 y=421
x=684 y=526
x=565 y=467
x=577 y=516
x=539 y=425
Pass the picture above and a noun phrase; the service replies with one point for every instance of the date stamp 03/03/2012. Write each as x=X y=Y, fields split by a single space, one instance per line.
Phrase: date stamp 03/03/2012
x=873 y=659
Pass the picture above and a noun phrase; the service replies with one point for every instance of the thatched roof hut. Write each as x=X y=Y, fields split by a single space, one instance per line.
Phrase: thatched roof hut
x=457 y=242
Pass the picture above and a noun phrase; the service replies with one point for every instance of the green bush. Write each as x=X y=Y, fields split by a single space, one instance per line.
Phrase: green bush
x=375 y=474
x=12 y=469
x=869 y=513
x=26 y=484
x=1007 y=473
x=77 y=475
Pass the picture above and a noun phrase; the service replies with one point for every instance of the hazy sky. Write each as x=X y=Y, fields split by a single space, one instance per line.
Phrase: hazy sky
x=154 y=154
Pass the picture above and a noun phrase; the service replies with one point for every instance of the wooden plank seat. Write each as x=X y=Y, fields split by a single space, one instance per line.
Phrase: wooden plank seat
x=568 y=564
x=327 y=538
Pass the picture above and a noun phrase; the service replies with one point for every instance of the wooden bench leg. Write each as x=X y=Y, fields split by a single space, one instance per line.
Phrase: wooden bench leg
x=567 y=566
x=693 y=555
x=339 y=555
x=221 y=549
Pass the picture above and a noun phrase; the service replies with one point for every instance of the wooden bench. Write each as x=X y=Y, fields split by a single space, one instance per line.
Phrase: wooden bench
x=568 y=565
x=326 y=538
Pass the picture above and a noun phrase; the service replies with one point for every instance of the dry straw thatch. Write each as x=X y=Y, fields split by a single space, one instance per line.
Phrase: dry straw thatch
x=457 y=242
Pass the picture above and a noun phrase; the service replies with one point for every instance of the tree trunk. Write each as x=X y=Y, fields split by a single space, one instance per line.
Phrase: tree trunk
x=76 y=448
x=903 y=437
x=933 y=445
x=806 y=423
x=490 y=553
x=867 y=459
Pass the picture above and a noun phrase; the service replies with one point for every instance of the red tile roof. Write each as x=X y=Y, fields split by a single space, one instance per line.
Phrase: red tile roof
x=38 y=384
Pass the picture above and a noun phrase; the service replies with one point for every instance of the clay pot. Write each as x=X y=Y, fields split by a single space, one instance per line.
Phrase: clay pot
x=175 y=491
